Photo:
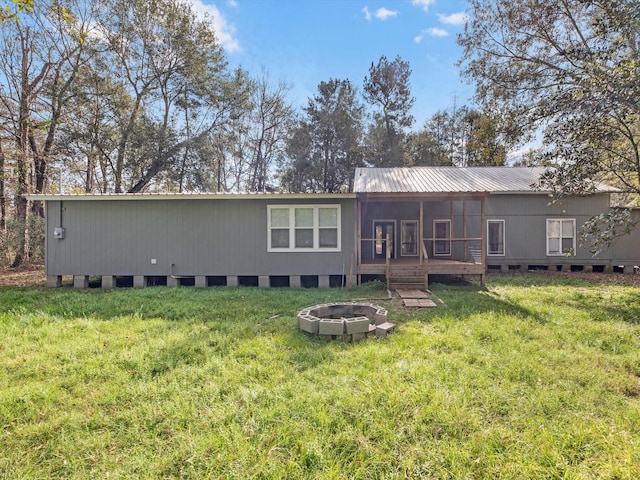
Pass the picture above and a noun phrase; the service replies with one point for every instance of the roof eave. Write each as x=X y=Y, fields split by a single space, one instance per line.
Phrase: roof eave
x=188 y=196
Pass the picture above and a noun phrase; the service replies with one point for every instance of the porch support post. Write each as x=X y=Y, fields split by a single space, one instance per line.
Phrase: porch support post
x=464 y=222
x=483 y=246
x=359 y=239
x=421 y=247
x=421 y=232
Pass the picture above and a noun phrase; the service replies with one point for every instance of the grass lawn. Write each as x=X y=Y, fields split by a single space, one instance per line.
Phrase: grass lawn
x=532 y=377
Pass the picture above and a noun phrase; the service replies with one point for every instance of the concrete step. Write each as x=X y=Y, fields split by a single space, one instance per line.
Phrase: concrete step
x=384 y=328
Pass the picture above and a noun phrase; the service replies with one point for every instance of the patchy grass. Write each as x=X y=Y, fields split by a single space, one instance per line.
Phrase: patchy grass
x=532 y=377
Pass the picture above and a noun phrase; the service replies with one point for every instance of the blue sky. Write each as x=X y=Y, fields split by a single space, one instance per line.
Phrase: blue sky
x=304 y=42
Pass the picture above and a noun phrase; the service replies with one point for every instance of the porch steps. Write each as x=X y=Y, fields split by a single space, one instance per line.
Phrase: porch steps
x=406 y=277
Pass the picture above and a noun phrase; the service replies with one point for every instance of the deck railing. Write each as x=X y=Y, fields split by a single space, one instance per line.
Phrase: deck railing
x=467 y=250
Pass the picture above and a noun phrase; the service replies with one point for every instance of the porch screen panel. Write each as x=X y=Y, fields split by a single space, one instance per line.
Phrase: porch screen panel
x=442 y=234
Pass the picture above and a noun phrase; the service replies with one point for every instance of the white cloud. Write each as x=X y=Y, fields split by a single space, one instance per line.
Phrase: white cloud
x=459 y=18
x=423 y=3
x=437 y=32
x=383 y=13
x=232 y=3
x=225 y=32
x=367 y=13
x=431 y=32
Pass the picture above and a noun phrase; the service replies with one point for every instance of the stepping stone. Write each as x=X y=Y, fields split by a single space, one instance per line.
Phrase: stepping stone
x=419 y=302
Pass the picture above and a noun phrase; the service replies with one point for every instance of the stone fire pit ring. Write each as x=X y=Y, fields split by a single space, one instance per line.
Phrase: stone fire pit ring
x=347 y=321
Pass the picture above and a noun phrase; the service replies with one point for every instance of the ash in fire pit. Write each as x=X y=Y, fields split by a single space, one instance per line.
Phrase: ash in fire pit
x=346 y=321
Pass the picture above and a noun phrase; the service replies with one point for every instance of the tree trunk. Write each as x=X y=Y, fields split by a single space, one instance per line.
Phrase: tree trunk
x=3 y=205
x=24 y=125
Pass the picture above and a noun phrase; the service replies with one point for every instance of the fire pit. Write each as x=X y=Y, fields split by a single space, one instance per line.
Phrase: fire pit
x=345 y=321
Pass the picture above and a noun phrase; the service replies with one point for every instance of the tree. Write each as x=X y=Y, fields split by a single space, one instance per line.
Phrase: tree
x=387 y=88
x=462 y=137
x=325 y=148
x=426 y=149
x=3 y=198
x=483 y=146
x=571 y=69
x=169 y=62
x=39 y=60
x=19 y=6
x=271 y=119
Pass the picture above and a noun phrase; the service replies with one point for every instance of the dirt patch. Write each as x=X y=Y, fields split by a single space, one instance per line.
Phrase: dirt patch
x=29 y=276
x=612 y=278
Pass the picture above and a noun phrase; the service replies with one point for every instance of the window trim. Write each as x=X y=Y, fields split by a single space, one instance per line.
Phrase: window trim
x=547 y=237
x=316 y=228
x=446 y=239
x=504 y=246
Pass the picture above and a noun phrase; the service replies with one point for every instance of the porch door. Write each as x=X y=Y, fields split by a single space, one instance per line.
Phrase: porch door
x=382 y=228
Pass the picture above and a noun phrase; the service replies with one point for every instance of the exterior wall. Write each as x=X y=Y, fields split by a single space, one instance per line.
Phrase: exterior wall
x=228 y=237
x=626 y=249
x=210 y=237
x=525 y=218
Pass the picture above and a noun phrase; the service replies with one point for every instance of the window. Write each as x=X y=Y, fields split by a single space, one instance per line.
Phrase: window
x=495 y=237
x=561 y=236
x=442 y=230
x=299 y=228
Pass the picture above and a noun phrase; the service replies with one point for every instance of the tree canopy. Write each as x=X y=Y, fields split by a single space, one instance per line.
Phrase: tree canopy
x=325 y=147
x=388 y=90
x=571 y=69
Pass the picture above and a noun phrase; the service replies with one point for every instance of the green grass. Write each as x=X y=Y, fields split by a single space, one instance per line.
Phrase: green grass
x=529 y=378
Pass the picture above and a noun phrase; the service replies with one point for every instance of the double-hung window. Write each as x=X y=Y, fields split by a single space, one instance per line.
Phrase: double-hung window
x=561 y=236
x=300 y=228
x=495 y=237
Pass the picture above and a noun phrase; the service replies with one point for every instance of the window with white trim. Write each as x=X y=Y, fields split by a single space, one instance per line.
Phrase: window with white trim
x=303 y=228
x=561 y=236
x=495 y=237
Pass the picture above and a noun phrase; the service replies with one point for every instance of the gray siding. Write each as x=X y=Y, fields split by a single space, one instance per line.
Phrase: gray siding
x=199 y=236
x=525 y=227
x=626 y=249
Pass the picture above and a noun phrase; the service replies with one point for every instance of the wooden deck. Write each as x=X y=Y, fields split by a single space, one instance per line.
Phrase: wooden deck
x=404 y=274
x=433 y=267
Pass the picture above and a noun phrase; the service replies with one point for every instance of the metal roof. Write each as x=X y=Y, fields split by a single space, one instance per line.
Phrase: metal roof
x=447 y=180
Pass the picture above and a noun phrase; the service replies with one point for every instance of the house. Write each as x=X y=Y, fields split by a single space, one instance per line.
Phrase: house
x=405 y=225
